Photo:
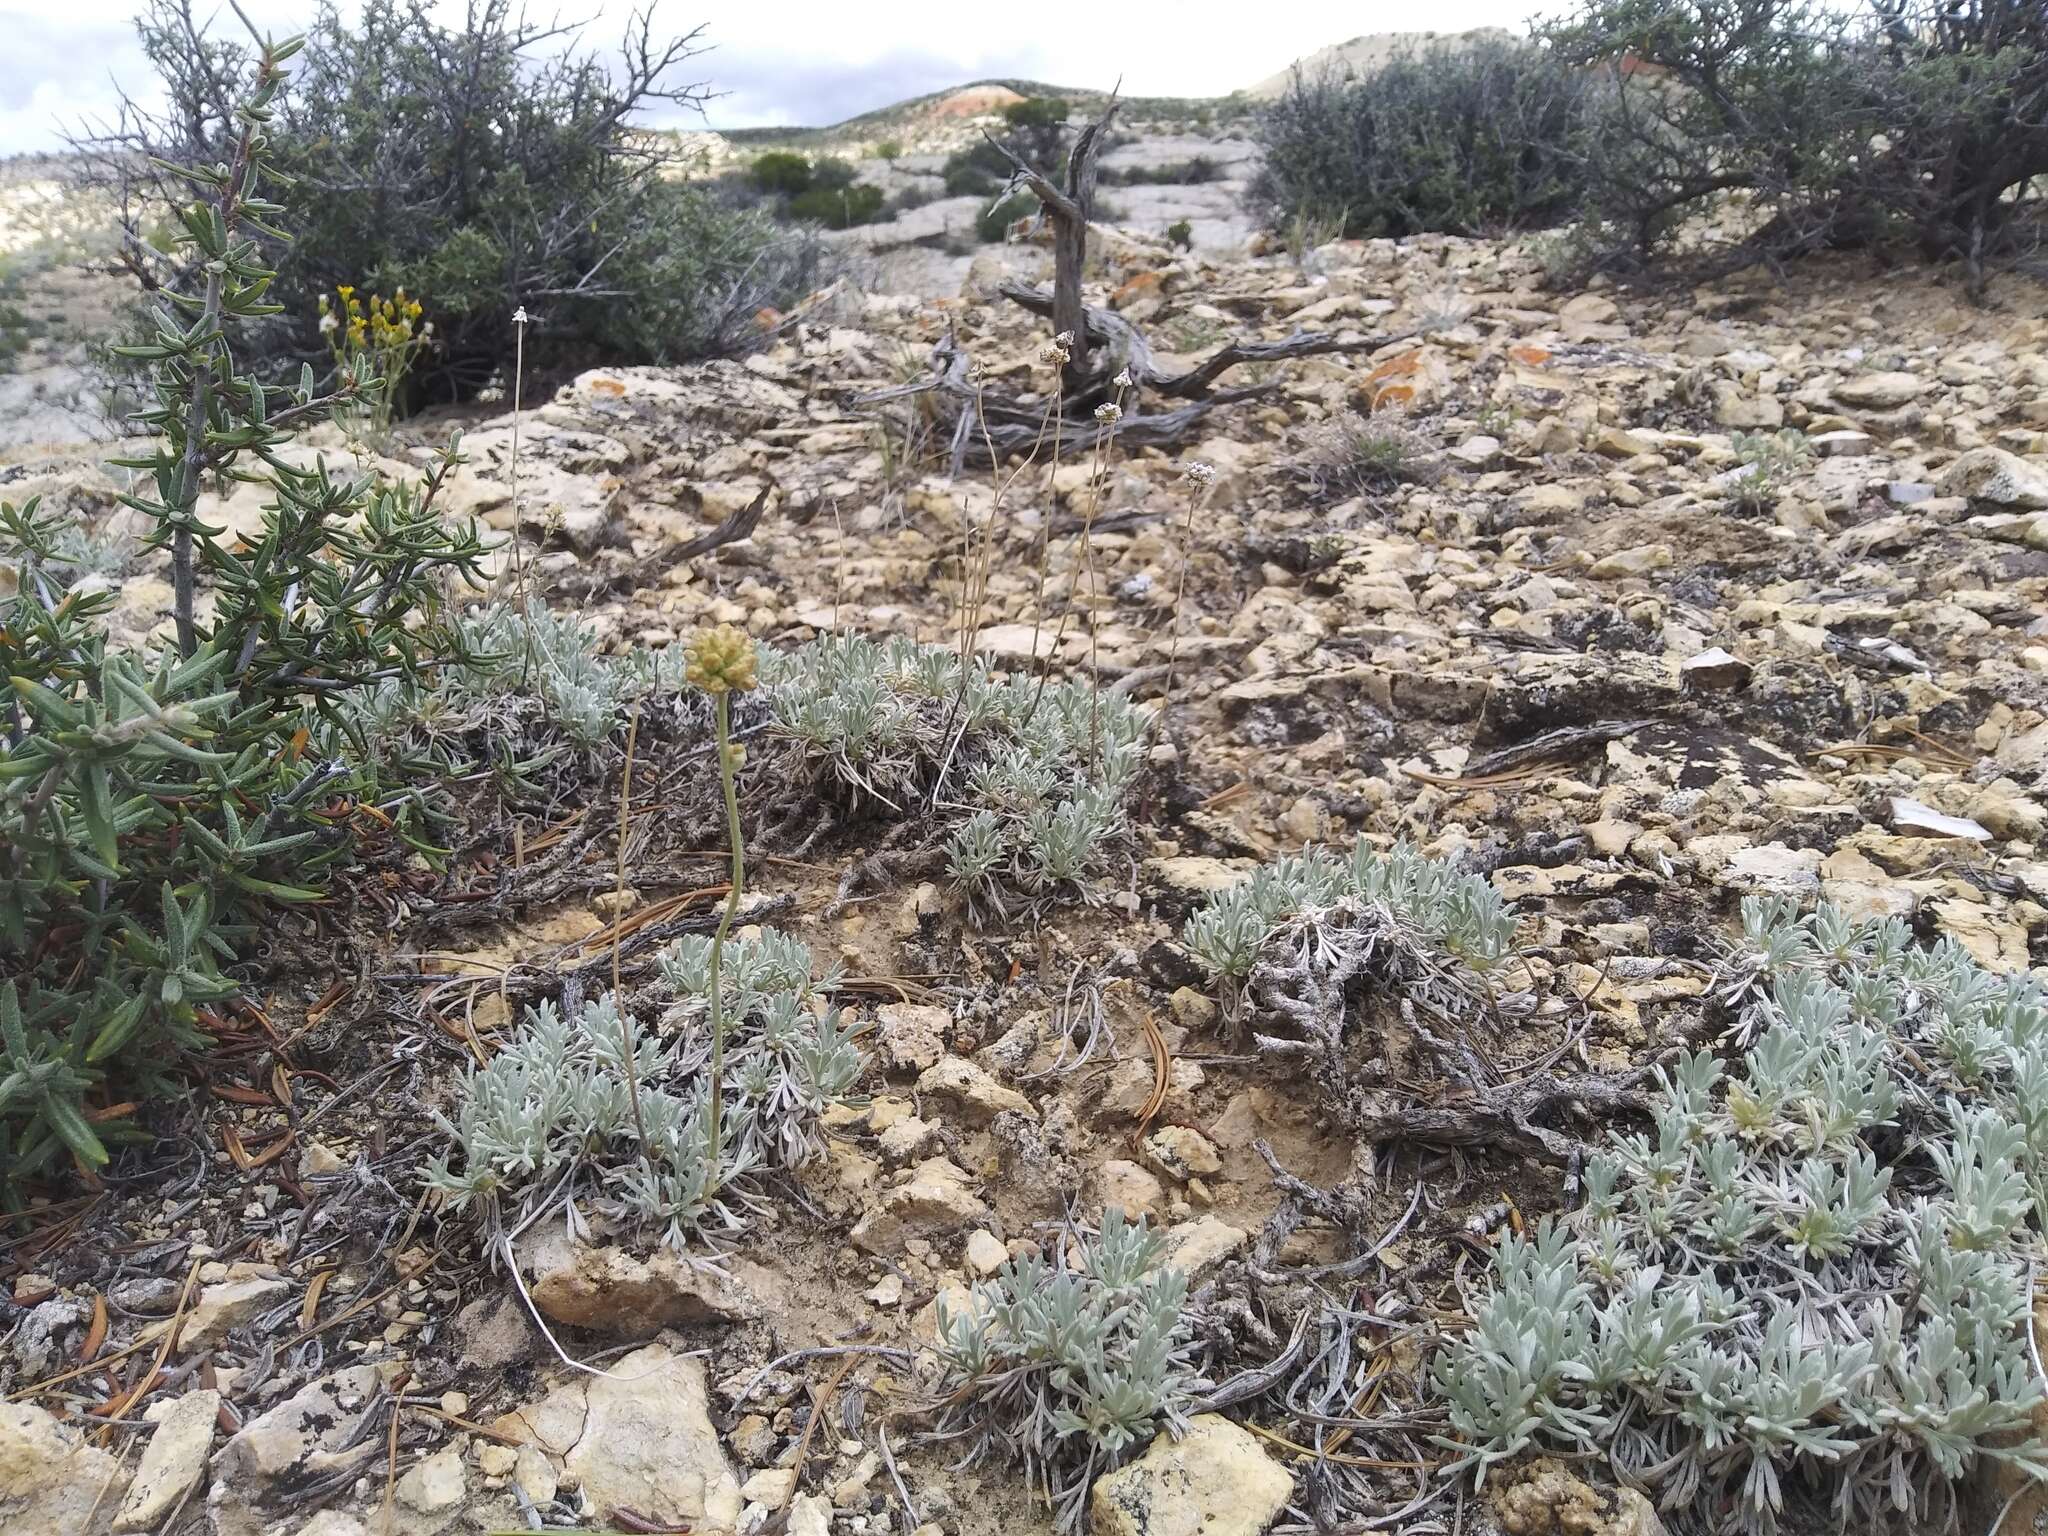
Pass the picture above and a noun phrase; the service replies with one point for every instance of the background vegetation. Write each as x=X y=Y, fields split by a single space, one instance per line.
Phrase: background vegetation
x=1913 y=128
x=475 y=168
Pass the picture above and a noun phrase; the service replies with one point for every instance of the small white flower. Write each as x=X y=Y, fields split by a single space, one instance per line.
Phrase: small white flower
x=519 y=315
x=1198 y=473
x=1053 y=352
x=1123 y=379
x=328 y=323
x=1108 y=412
x=1064 y=339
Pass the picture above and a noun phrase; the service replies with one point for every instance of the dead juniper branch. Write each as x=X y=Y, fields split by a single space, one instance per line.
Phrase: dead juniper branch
x=1069 y=210
x=1508 y=1116
x=1101 y=348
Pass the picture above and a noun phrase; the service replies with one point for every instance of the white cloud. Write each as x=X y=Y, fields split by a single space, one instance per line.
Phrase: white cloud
x=785 y=61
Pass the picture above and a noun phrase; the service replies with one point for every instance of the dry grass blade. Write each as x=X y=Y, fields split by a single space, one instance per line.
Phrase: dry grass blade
x=1310 y=1454
x=818 y=1405
x=1162 y=1077
x=96 y=1335
x=309 y=1308
x=391 y=1452
x=117 y=1407
x=1477 y=781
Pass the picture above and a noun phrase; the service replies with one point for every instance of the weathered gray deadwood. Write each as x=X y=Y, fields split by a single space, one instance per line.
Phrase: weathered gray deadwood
x=1507 y=1116
x=1069 y=210
x=1128 y=348
x=981 y=427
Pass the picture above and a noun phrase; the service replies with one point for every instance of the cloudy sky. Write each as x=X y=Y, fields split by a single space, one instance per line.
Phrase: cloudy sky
x=785 y=61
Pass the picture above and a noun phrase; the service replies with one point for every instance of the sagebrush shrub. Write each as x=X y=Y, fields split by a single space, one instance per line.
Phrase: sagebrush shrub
x=1769 y=458
x=481 y=171
x=1030 y=776
x=552 y=1117
x=1915 y=125
x=1464 y=138
x=993 y=224
x=1417 y=912
x=1361 y=455
x=1069 y=1368
x=980 y=170
x=1805 y=1292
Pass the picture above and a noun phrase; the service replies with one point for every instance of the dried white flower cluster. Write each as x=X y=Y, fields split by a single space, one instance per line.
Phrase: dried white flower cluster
x=1059 y=351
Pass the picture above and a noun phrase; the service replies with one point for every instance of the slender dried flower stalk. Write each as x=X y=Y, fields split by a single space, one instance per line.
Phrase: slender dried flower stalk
x=721 y=662
x=1199 y=478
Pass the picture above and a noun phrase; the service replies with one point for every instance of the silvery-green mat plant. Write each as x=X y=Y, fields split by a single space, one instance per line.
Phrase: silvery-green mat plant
x=1029 y=778
x=526 y=686
x=1410 y=913
x=1068 y=1369
x=1803 y=1294
x=1301 y=945
x=550 y=1120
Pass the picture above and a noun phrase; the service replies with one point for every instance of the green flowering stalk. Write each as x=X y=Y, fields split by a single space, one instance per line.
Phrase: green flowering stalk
x=721 y=662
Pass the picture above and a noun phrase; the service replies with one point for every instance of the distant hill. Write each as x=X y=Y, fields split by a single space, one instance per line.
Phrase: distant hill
x=942 y=118
x=1363 y=55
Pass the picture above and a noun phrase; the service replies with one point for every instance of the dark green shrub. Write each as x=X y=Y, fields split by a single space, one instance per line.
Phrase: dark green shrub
x=1175 y=173
x=469 y=163
x=889 y=149
x=977 y=171
x=1182 y=234
x=916 y=195
x=18 y=328
x=832 y=173
x=816 y=192
x=992 y=226
x=839 y=207
x=1914 y=125
x=1464 y=139
x=781 y=170
x=157 y=807
x=706 y=272
x=1038 y=124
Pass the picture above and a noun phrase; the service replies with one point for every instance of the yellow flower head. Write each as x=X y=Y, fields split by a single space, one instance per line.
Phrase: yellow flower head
x=721 y=660
x=346 y=290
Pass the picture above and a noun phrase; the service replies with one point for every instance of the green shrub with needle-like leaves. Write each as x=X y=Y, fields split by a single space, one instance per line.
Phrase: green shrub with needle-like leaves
x=154 y=804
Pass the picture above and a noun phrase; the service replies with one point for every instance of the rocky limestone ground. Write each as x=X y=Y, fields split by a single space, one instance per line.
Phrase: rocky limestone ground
x=1565 y=642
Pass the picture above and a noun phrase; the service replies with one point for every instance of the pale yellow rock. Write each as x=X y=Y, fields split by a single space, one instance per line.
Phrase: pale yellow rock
x=51 y=1479
x=1213 y=1481
x=172 y=1463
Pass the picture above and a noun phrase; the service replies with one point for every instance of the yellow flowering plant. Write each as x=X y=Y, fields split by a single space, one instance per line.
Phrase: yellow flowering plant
x=375 y=341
